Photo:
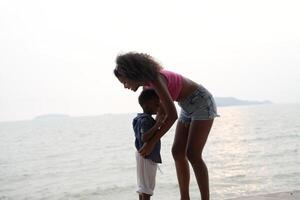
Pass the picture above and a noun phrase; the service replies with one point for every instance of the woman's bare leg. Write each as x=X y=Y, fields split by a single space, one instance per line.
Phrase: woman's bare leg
x=198 y=133
x=181 y=162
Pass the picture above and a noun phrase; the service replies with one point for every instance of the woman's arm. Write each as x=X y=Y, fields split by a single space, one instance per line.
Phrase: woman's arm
x=169 y=109
x=149 y=134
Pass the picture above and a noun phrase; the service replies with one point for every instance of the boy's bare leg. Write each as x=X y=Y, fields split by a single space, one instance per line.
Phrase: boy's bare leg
x=145 y=196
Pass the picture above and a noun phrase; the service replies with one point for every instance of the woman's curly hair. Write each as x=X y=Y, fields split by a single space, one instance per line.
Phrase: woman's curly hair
x=137 y=67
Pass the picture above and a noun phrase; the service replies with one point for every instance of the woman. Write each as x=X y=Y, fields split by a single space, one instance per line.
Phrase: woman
x=198 y=110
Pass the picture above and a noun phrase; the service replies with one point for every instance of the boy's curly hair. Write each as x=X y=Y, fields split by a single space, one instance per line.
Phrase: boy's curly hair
x=137 y=67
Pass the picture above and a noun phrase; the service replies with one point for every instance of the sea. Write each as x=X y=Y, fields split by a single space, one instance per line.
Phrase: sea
x=251 y=150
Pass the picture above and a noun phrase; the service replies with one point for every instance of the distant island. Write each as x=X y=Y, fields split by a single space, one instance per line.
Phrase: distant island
x=51 y=116
x=220 y=101
x=231 y=101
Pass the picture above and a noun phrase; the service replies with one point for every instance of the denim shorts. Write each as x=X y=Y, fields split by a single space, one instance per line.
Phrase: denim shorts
x=200 y=105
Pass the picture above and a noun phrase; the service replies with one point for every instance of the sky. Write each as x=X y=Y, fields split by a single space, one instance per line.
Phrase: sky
x=58 y=56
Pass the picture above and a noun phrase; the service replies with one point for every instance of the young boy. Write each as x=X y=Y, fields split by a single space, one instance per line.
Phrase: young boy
x=144 y=129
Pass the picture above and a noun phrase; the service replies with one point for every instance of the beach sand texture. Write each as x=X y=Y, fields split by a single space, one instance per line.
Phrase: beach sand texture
x=293 y=195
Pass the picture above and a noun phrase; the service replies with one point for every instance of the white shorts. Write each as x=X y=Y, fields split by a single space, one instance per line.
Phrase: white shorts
x=146 y=173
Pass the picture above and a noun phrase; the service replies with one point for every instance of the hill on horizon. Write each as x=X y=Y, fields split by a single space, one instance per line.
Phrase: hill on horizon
x=220 y=101
x=51 y=116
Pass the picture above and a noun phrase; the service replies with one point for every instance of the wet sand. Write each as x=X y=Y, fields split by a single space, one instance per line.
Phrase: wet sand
x=293 y=195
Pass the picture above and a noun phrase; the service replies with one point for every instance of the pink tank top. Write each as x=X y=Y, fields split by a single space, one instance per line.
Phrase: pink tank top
x=174 y=83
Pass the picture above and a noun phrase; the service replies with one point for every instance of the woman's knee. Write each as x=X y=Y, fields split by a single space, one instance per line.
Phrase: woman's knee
x=178 y=153
x=194 y=156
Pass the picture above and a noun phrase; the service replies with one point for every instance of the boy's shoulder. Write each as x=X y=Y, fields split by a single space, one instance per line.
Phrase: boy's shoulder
x=142 y=117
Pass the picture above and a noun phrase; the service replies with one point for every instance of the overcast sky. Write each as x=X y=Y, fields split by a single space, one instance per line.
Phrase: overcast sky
x=57 y=56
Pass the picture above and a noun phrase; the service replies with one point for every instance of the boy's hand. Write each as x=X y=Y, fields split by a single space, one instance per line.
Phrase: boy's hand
x=146 y=149
x=160 y=118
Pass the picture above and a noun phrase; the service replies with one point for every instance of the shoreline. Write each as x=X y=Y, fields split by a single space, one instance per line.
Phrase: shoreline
x=292 y=195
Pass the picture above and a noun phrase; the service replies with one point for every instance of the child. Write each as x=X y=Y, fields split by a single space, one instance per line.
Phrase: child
x=144 y=129
x=198 y=110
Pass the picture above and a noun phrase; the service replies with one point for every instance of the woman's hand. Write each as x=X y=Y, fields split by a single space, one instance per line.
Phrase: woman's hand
x=146 y=149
